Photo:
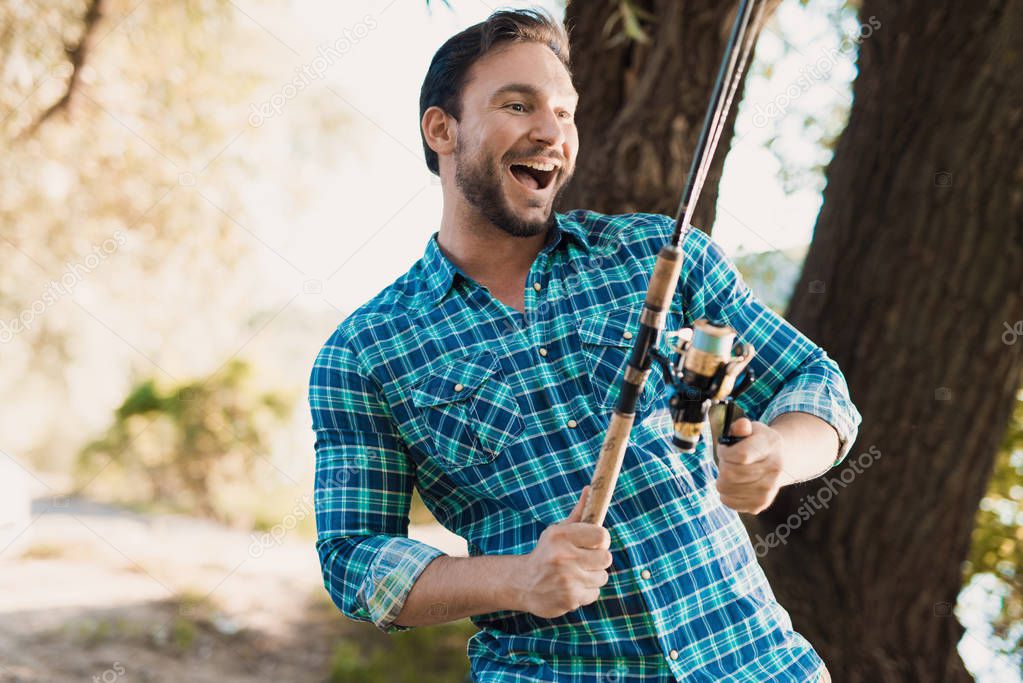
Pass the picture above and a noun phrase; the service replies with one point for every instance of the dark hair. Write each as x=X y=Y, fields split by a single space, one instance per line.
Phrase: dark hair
x=446 y=76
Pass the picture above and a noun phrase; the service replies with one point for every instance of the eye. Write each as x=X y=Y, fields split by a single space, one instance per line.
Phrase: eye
x=567 y=115
x=522 y=107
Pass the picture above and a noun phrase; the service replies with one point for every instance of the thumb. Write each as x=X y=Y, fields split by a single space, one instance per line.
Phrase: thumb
x=741 y=427
x=577 y=511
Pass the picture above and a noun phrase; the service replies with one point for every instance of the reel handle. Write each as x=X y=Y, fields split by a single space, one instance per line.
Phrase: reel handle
x=726 y=438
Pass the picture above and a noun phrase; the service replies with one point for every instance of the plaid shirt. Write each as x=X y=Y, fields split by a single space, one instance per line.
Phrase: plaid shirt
x=498 y=417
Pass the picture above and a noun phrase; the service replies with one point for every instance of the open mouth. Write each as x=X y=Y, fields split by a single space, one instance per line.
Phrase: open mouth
x=534 y=176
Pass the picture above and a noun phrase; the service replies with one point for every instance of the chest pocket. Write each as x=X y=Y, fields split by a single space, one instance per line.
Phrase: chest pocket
x=607 y=350
x=469 y=410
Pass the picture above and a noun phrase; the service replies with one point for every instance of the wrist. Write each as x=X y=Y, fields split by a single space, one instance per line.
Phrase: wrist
x=513 y=593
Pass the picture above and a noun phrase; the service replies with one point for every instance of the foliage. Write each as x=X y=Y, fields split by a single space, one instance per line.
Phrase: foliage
x=772 y=275
x=155 y=162
x=173 y=445
x=631 y=19
x=802 y=136
x=427 y=654
x=997 y=546
x=149 y=108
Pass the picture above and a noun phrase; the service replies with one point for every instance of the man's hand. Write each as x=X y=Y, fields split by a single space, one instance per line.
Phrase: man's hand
x=567 y=567
x=750 y=471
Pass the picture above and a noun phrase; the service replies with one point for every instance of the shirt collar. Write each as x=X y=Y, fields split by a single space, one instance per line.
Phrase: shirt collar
x=440 y=273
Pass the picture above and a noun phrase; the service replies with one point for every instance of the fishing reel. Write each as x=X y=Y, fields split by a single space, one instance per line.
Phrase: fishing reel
x=705 y=373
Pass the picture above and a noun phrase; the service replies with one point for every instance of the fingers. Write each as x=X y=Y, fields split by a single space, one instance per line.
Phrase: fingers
x=742 y=453
x=585 y=535
x=754 y=505
x=577 y=512
x=741 y=427
x=748 y=488
x=588 y=596
x=594 y=560
x=744 y=473
x=595 y=578
x=757 y=443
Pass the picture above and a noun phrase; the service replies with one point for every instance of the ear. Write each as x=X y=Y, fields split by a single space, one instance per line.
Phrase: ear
x=439 y=130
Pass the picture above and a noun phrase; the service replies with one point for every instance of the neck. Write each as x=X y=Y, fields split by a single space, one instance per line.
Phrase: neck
x=486 y=253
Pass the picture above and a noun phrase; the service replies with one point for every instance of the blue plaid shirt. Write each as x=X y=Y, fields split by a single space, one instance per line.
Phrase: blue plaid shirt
x=498 y=417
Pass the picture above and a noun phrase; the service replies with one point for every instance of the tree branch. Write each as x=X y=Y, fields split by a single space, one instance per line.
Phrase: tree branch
x=77 y=55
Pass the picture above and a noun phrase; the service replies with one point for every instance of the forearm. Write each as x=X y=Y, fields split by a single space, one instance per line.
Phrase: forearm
x=453 y=588
x=810 y=446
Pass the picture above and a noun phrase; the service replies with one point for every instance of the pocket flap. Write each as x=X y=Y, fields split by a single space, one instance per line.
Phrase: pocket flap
x=455 y=380
x=609 y=328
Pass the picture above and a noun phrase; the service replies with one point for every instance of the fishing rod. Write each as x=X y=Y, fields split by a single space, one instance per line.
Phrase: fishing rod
x=706 y=370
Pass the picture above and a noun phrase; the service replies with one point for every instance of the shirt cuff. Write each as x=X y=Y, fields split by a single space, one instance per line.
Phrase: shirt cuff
x=396 y=566
x=822 y=401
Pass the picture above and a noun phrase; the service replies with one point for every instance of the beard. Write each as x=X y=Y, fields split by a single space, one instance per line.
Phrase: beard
x=479 y=179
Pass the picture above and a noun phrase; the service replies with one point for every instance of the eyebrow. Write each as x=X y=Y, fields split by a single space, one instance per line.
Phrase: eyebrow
x=523 y=88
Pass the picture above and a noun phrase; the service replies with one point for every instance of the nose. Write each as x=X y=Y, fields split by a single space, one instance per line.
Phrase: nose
x=547 y=128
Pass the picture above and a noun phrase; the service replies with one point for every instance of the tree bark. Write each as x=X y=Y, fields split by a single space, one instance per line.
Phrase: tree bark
x=915 y=267
x=641 y=106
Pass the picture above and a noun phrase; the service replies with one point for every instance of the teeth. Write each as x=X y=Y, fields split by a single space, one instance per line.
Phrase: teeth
x=540 y=166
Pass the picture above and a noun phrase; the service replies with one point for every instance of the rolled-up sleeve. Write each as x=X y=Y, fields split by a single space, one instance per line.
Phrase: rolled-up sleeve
x=362 y=492
x=792 y=372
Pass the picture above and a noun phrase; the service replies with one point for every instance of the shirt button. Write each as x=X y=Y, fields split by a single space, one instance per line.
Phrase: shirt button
x=459 y=387
x=536 y=286
x=542 y=351
x=572 y=424
x=673 y=654
x=627 y=335
x=645 y=573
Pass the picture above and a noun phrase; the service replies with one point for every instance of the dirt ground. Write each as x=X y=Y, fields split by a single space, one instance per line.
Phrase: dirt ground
x=95 y=593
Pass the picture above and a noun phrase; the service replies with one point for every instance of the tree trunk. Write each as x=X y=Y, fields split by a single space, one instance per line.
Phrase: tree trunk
x=915 y=268
x=641 y=106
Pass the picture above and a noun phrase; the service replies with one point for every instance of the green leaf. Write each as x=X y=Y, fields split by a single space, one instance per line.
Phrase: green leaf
x=631 y=22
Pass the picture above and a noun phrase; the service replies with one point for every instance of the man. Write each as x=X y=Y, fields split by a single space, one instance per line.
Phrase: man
x=485 y=377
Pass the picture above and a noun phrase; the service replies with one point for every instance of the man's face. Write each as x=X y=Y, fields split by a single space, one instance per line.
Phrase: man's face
x=517 y=140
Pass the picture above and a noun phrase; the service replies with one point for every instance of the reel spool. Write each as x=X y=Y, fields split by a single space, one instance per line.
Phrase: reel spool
x=706 y=372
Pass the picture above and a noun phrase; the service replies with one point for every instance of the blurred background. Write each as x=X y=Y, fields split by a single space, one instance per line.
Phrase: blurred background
x=194 y=193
